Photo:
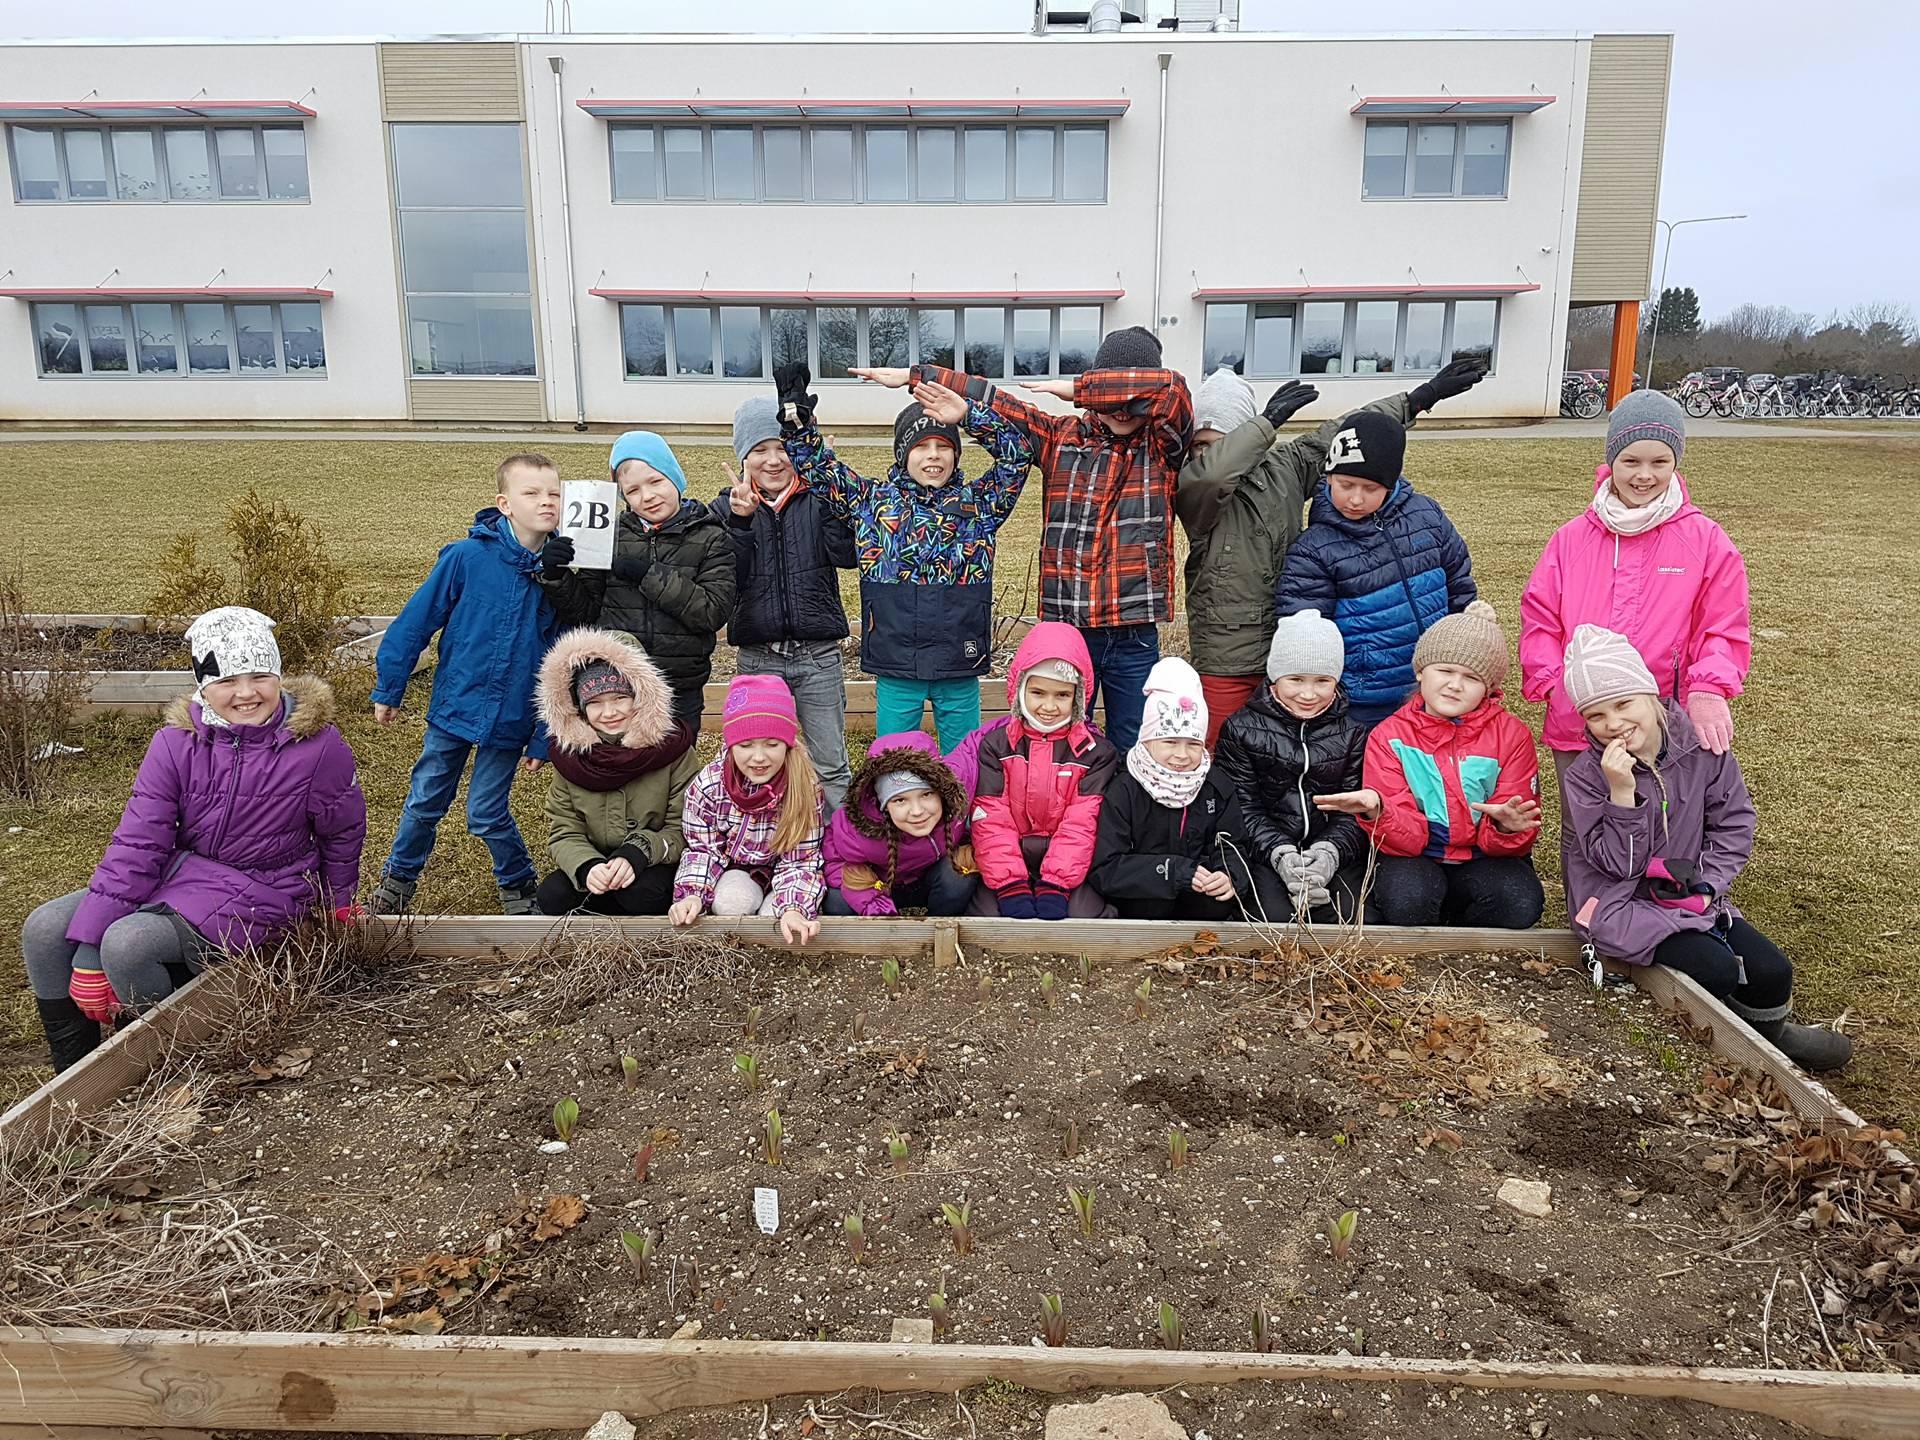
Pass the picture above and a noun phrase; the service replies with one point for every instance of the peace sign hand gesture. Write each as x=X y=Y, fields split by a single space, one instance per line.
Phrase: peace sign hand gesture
x=743 y=499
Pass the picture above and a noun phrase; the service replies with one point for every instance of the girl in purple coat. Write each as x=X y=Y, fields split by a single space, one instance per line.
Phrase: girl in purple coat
x=246 y=815
x=1658 y=828
x=901 y=837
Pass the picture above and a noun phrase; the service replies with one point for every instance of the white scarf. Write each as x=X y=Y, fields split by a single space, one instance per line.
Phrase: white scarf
x=1623 y=519
x=1173 y=788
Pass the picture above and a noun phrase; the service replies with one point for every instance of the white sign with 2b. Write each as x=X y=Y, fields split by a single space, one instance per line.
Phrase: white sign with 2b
x=588 y=511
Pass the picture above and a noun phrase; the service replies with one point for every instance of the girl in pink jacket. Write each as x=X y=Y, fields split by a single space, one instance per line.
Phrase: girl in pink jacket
x=1644 y=562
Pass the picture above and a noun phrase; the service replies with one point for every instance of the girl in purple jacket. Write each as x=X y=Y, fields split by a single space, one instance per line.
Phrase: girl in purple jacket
x=1658 y=827
x=901 y=838
x=246 y=815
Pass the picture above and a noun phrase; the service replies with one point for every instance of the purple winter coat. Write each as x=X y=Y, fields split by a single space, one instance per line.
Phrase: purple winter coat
x=861 y=834
x=1709 y=823
x=239 y=831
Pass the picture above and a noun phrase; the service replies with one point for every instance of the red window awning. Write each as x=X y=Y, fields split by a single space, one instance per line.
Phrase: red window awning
x=1404 y=105
x=703 y=109
x=83 y=293
x=121 y=111
x=1363 y=292
x=859 y=297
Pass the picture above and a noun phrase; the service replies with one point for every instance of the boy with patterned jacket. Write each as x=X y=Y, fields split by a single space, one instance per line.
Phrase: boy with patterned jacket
x=1108 y=475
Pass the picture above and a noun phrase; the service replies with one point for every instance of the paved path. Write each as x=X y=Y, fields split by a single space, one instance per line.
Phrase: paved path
x=1537 y=430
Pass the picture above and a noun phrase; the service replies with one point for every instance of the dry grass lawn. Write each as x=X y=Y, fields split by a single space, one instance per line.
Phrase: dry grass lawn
x=1827 y=526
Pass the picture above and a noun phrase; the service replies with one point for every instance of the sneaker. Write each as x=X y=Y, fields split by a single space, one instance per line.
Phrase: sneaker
x=392 y=896
x=518 y=899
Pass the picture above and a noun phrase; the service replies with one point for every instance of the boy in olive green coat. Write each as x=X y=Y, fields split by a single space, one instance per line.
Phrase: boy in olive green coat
x=1241 y=498
x=621 y=766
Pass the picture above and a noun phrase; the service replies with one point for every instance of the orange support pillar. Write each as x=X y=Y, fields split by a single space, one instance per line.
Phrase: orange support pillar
x=1626 y=343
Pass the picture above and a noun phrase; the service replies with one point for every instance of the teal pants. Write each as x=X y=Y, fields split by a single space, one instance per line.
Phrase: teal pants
x=899 y=704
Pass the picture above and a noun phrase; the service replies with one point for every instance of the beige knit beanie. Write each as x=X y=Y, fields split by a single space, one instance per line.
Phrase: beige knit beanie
x=1602 y=665
x=1473 y=640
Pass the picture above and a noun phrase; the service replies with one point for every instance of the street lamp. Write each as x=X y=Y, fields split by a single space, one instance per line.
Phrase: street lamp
x=1660 y=296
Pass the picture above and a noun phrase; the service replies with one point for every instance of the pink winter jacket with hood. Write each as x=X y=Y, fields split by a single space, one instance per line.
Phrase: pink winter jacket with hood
x=1677 y=591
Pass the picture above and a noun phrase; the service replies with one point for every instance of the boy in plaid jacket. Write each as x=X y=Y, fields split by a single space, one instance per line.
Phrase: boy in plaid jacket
x=1108 y=476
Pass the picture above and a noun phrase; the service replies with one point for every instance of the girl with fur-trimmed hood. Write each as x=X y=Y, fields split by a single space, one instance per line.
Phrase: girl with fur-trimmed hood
x=901 y=838
x=246 y=816
x=621 y=767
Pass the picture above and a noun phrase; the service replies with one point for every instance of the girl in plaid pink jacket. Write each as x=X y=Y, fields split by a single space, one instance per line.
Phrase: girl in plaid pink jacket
x=754 y=817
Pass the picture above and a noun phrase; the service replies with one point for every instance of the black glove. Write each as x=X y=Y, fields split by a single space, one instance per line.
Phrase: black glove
x=631 y=564
x=1292 y=396
x=790 y=384
x=555 y=556
x=1456 y=379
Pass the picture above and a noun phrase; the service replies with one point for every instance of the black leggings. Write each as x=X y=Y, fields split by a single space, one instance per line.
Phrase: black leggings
x=650 y=894
x=1500 y=892
x=1719 y=959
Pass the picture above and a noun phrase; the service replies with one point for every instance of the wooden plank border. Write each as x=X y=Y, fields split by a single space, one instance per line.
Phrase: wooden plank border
x=466 y=1385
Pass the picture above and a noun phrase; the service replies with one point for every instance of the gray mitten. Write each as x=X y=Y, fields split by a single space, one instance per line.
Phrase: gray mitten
x=1322 y=861
x=1316 y=896
x=1285 y=859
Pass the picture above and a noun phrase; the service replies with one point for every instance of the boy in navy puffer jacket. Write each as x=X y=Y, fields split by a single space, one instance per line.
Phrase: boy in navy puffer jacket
x=1378 y=557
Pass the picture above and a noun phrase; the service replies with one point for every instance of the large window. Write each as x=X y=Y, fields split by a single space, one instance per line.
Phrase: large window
x=879 y=164
x=1435 y=159
x=745 y=342
x=1347 y=337
x=463 y=250
x=150 y=163
x=198 y=339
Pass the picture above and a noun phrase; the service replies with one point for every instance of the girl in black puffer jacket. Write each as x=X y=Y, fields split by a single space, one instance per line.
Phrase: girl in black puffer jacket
x=1294 y=740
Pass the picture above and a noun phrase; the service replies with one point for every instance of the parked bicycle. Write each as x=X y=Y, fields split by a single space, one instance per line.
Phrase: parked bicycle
x=1582 y=396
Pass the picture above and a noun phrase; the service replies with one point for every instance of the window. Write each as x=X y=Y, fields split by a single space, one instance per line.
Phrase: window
x=463 y=249
x=148 y=163
x=1347 y=337
x=118 y=340
x=1431 y=159
x=879 y=164
x=745 y=342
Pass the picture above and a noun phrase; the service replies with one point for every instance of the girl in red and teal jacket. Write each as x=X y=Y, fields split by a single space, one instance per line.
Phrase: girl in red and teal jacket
x=1451 y=793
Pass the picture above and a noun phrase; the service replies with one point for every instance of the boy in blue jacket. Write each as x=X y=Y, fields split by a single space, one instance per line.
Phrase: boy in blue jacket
x=495 y=623
x=1381 y=559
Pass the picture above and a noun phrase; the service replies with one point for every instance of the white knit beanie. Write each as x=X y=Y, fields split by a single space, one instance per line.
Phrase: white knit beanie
x=1176 y=709
x=1306 y=644
x=1602 y=665
x=1224 y=402
x=232 y=640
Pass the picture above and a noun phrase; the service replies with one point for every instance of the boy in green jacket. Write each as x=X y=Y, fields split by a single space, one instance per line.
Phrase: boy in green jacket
x=1241 y=498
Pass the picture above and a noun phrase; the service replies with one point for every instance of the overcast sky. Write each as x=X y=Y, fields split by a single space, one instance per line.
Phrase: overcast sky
x=1799 y=114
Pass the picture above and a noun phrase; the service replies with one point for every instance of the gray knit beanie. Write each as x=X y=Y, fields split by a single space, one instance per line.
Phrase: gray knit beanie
x=1224 y=402
x=1647 y=415
x=1306 y=644
x=756 y=420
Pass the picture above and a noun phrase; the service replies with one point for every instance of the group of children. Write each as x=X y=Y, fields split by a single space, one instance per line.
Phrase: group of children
x=1350 y=683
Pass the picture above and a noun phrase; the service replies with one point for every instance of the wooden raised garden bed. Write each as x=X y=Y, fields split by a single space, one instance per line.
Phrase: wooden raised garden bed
x=1402 y=1077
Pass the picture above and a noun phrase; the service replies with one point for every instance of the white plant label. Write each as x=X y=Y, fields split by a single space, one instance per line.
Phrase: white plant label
x=766 y=1209
x=588 y=511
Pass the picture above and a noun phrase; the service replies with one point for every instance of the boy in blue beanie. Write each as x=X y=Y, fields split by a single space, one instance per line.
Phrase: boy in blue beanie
x=671 y=586
x=494 y=623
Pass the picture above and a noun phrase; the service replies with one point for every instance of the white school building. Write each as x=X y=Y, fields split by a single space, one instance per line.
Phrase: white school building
x=635 y=229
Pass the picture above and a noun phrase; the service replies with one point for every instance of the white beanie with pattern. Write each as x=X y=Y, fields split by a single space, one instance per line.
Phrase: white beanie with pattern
x=1602 y=665
x=1176 y=709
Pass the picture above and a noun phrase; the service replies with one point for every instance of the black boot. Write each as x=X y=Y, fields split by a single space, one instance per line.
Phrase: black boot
x=71 y=1036
x=1811 y=1047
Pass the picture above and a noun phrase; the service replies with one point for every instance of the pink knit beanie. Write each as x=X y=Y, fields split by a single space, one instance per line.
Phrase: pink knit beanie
x=1602 y=665
x=759 y=707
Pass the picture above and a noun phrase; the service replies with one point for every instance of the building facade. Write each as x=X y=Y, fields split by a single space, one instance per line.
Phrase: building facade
x=636 y=230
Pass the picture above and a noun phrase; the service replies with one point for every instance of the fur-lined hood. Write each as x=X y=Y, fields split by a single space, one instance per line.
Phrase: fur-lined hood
x=553 y=694
x=309 y=709
x=892 y=753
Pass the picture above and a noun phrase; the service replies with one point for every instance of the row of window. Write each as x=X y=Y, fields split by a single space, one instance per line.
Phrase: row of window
x=860 y=164
x=1435 y=159
x=199 y=338
x=150 y=163
x=745 y=342
x=1347 y=337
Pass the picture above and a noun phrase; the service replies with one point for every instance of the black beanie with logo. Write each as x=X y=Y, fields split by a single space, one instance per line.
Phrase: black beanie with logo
x=1370 y=446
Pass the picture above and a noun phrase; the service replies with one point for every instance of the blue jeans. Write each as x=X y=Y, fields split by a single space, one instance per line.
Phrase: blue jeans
x=813 y=673
x=898 y=705
x=436 y=775
x=1122 y=655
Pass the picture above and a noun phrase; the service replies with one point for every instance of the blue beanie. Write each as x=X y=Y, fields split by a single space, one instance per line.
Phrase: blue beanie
x=647 y=446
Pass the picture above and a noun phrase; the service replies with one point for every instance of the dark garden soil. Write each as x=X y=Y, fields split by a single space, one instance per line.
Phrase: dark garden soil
x=407 y=1141
x=91 y=649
